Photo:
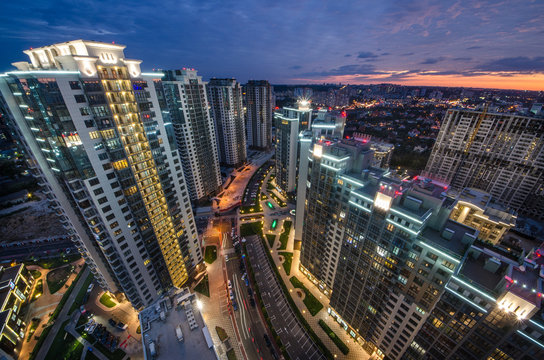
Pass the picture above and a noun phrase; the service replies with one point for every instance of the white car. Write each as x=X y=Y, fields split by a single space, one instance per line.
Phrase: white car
x=231 y=294
x=229 y=284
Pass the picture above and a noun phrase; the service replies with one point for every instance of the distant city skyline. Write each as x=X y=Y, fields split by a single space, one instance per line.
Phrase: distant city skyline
x=429 y=43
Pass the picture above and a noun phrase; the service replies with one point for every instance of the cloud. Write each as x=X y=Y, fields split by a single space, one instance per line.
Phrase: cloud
x=430 y=61
x=366 y=55
x=364 y=69
x=474 y=47
x=462 y=59
x=347 y=55
x=385 y=54
x=407 y=54
x=296 y=67
x=521 y=64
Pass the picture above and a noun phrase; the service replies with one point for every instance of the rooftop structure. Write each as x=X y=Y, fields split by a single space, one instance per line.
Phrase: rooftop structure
x=475 y=208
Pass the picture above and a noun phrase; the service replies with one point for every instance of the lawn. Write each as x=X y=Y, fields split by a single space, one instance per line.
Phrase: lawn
x=210 y=254
x=271 y=238
x=311 y=302
x=337 y=341
x=38 y=290
x=81 y=294
x=32 y=327
x=277 y=199
x=106 y=300
x=231 y=355
x=203 y=287
x=254 y=228
x=284 y=237
x=57 y=278
x=35 y=273
x=221 y=333
x=288 y=260
x=64 y=346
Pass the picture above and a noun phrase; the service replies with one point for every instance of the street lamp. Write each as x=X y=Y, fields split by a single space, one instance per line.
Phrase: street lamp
x=199 y=304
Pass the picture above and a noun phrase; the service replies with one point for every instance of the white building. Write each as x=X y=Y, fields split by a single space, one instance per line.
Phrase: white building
x=225 y=98
x=100 y=148
x=184 y=103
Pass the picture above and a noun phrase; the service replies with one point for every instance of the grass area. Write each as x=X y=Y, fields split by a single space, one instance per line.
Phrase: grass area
x=296 y=310
x=254 y=228
x=221 y=333
x=32 y=328
x=203 y=287
x=139 y=330
x=337 y=341
x=35 y=273
x=81 y=294
x=56 y=262
x=118 y=354
x=271 y=238
x=59 y=308
x=106 y=300
x=288 y=260
x=58 y=277
x=278 y=201
x=210 y=254
x=38 y=290
x=64 y=346
x=311 y=302
x=40 y=341
x=284 y=237
x=231 y=355
x=91 y=356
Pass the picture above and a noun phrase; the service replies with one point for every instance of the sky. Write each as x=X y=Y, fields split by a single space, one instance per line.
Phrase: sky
x=473 y=43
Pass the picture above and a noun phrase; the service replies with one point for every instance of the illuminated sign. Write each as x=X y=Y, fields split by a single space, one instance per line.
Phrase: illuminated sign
x=382 y=201
x=318 y=150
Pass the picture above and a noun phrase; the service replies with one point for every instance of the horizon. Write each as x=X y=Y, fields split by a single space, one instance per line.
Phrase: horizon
x=484 y=44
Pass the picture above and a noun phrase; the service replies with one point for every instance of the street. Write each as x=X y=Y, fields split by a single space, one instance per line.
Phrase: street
x=297 y=342
x=40 y=250
x=248 y=318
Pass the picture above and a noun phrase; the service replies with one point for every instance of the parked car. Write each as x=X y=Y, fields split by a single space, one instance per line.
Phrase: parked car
x=229 y=284
x=122 y=326
x=234 y=305
x=252 y=301
x=112 y=322
x=267 y=340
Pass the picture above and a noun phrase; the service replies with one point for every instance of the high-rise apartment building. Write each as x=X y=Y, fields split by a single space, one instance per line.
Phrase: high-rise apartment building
x=502 y=154
x=183 y=101
x=400 y=271
x=259 y=102
x=289 y=122
x=226 y=109
x=101 y=150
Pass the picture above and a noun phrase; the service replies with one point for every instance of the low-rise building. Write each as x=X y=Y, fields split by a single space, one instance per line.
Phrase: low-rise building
x=173 y=328
x=15 y=286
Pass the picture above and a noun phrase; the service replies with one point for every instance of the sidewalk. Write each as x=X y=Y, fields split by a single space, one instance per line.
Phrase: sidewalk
x=215 y=308
x=356 y=352
x=63 y=316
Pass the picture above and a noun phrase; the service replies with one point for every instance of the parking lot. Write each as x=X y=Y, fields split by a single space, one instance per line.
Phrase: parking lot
x=297 y=343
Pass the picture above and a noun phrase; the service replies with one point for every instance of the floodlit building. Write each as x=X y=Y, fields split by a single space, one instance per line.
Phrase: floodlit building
x=103 y=154
x=225 y=98
x=382 y=151
x=15 y=286
x=183 y=101
x=402 y=275
x=502 y=154
x=289 y=122
x=259 y=103
x=476 y=209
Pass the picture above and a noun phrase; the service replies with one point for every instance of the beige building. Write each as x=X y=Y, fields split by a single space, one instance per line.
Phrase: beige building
x=475 y=208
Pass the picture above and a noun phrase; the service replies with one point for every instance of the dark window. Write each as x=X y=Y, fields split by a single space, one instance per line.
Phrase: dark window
x=80 y=98
x=94 y=182
x=74 y=85
x=98 y=191
x=105 y=209
x=110 y=175
x=85 y=111
x=102 y=200
x=106 y=166
x=103 y=156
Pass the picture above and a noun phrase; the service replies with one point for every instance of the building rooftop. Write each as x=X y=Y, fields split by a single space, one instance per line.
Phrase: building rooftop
x=477 y=268
x=453 y=237
x=160 y=320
